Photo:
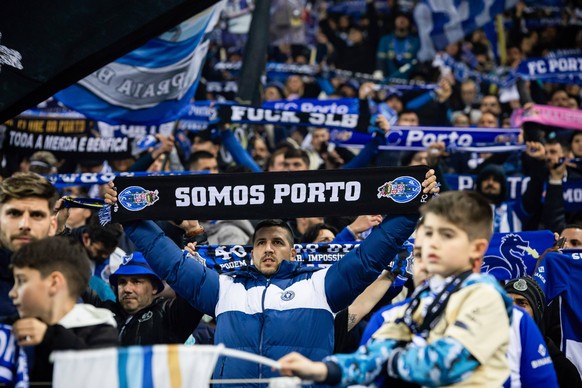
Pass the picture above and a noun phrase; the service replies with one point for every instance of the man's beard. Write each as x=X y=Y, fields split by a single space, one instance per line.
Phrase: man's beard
x=494 y=198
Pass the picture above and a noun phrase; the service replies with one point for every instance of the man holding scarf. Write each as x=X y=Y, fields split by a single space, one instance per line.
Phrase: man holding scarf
x=275 y=305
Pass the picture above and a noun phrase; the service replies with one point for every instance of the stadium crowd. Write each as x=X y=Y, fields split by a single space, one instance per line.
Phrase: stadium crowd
x=423 y=318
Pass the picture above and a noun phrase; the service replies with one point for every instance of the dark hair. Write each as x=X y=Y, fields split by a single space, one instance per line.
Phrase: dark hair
x=196 y=156
x=108 y=235
x=468 y=210
x=297 y=153
x=271 y=160
x=62 y=254
x=312 y=232
x=274 y=223
x=572 y=226
x=28 y=185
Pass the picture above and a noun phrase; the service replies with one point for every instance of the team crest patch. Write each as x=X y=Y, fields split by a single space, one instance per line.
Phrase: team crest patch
x=135 y=198
x=288 y=295
x=520 y=285
x=146 y=317
x=401 y=190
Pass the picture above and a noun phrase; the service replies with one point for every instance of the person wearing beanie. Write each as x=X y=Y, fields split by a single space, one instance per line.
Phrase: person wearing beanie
x=514 y=215
x=528 y=295
x=143 y=317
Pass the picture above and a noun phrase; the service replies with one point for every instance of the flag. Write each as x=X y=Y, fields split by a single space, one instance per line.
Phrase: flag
x=151 y=84
x=172 y=366
x=559 y=275
x=67 y=40
x=441 y=23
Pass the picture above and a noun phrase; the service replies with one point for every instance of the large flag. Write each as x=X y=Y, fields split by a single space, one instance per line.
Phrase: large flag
x=149 y=366
x=442 y=22
x=46 y=46
x=151 y=84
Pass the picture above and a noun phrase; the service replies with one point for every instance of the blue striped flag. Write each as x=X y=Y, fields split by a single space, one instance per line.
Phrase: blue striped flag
x=172 y=366
x=443 y=22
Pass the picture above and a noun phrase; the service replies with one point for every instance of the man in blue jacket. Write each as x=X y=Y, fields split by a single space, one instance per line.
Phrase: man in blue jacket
x=275 y=305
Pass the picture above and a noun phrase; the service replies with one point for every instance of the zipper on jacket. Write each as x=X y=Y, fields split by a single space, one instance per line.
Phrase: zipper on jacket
x=262 y=325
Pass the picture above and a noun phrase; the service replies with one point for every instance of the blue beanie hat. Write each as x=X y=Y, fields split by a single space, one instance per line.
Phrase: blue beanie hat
x=135 y=264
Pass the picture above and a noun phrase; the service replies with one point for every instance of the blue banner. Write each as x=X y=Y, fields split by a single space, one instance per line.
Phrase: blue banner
x=151 y=84
x=510 y=255
x=88 y=179
x=513 y=255
x=308 y=105
x=419 y=138
x=561 y=69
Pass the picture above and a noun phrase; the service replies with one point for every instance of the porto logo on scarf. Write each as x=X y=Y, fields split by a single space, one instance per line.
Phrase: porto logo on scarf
x=400 y=190
x=135 y=198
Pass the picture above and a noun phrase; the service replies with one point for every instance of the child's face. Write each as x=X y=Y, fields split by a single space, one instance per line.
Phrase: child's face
x=446 y=249
x=30 y=293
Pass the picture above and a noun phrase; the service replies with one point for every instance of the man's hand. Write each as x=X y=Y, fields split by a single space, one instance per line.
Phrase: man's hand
x=366 y=90
x=383 y=124
x=166 y=145
x=190 y=227
x=429 y=184
x=110 y=193
x=535 y=150
x=62 y=215
x=444 y=90
x=363 y=223
x=29 y=331
x=294 y=364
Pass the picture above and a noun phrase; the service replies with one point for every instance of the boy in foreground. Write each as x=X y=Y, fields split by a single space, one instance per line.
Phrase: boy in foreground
x=455 y=329
x=50 y=275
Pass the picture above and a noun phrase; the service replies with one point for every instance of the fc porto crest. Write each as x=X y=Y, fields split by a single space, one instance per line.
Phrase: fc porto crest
x=401 y=190
x=135 y=198
x=287 y=296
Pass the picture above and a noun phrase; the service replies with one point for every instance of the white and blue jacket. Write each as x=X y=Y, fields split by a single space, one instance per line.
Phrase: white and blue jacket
x=293 y=310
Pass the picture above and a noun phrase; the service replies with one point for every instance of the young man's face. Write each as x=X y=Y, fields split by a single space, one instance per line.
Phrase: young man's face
x=553 y=154
x=278 y=163
x=324 y=236
x=490 y=186
x=96 y=250
x=135 y=292
x=25 y=220
x=576 y=146
x=522 y=302
x=270 y=248
x=30 y=293
x=573 y=237
x=446 y=248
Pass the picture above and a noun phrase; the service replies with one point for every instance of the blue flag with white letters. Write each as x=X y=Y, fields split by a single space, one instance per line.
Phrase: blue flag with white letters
x=151 y=84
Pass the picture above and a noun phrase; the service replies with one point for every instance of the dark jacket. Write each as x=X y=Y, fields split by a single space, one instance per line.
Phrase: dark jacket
x=59 y=338
x=165 y=321
x=84 y=327
x=7 y=309
x=566 y=371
